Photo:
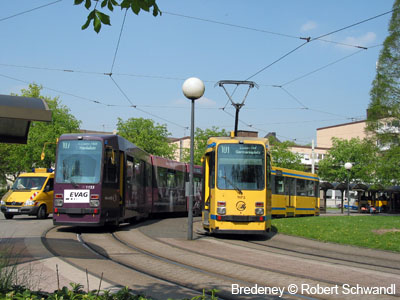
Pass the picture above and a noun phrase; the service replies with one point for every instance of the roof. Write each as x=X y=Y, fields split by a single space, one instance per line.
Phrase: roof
x=344 y=124
x=16 y=114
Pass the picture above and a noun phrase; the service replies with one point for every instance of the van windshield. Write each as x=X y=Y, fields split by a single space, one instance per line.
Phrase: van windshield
x=28 y=183
x=79 y=161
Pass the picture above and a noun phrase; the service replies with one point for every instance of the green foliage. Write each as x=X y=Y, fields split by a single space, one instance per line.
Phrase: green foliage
x=284 y=158
x=363 y=231
x=200 y=142
x=76 y=293
x=361 y=153
x=388 y=167
x=98 y=17
x=385 y=91
x=144 y=133
x=8 y=267
x=17 y=158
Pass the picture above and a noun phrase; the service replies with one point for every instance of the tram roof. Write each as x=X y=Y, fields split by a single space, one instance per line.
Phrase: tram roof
x=224 y=139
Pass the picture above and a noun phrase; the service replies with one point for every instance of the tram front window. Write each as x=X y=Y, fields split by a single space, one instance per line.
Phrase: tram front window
x=241 y=167
x=79 y=162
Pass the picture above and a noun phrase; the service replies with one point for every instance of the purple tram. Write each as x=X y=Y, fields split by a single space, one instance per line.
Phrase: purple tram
x=105 y=179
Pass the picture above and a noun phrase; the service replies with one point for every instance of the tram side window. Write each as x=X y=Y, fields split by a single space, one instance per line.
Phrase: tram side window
x=180 y=179
x=310 y=185
x=171 y=179
x=130 y=175
x=279 y=187
x=110 y=166
x=162 y=177
x=140 y=172
x=301 y=187
x=197 y=184
x=149 y=175
x=269 y=177
x=290 y=186
x=212 y=170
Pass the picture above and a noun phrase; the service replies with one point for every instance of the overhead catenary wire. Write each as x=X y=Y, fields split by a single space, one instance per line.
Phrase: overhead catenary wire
x=320 y=68
x=29 y=10
x=115 y=55
x=97 y=101
x=118 y=42
x=119 y=87
x=69 y=70
x=255 y=29
x=314 y=39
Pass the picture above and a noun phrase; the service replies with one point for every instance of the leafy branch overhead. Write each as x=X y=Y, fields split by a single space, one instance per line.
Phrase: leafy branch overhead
x=98 y=17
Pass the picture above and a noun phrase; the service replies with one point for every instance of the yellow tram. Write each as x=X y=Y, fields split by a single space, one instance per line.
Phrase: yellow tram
x=294 y=193
x=237 y=185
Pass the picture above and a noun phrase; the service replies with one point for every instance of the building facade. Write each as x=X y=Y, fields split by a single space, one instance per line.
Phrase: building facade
x=345 y=131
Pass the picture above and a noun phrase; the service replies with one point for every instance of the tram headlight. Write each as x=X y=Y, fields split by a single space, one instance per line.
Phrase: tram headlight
x=259 y=208
x=221 y=210
x=58 y=202
x=94 y=203
x=259 y=211
x=221 y=207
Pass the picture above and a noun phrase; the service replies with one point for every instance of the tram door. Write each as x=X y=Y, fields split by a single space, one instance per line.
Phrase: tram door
x=208 y=188
x=290 y=196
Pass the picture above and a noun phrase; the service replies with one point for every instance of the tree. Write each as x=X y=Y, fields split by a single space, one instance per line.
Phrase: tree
x=200 y=142
x=152 y=138
x=283 y=157
x=98 y=17
x=18 y=158
x=361 y=153
x=388 y=167
x=384 y=105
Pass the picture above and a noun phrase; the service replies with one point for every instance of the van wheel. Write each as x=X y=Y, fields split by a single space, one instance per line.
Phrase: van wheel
x=42 y=214
x=8 y=216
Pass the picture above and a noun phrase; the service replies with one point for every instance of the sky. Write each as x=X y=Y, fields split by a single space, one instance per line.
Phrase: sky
x=300 y=85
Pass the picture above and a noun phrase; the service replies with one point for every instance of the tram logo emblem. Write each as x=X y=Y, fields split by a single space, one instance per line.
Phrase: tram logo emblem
x=240 y=206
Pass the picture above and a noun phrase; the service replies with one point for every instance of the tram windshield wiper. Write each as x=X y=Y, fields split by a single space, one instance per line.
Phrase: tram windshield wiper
x=233 y=185
x=75 y=185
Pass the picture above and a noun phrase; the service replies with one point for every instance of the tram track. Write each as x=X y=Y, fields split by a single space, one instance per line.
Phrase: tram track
x=192 y=265
x=366 y=264
x=63 y=242
x=253 y=274
x=185 y=275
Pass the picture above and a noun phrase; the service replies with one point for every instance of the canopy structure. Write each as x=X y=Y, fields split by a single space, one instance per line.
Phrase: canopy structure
x=325 y=186
x=16 y=114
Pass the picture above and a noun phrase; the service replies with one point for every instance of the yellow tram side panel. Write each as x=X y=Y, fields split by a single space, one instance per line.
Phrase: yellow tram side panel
x=231 y=197
x=298 y=204
x=279 y=205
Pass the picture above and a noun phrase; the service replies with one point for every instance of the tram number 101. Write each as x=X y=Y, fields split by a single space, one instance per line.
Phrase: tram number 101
x=225 y=149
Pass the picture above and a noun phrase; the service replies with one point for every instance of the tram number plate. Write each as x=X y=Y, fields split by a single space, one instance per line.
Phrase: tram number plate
x=76 y=196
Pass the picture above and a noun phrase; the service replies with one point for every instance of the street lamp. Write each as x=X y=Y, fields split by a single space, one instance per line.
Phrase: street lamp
x=193 y=89
x=348 y=167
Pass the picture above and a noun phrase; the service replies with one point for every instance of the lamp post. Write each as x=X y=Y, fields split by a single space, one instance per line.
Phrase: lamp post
x=193 y=89
x=348 y=167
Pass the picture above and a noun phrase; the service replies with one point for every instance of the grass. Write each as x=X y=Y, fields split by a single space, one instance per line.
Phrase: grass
x=378 y=232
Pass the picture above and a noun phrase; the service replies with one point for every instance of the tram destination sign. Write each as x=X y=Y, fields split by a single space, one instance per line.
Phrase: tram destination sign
x=81 y=145
x=241 y=150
